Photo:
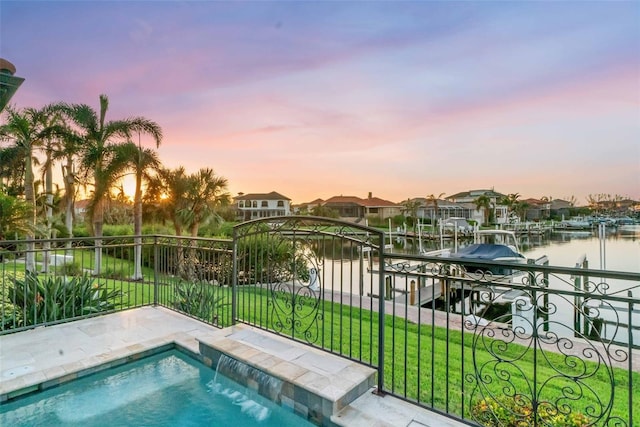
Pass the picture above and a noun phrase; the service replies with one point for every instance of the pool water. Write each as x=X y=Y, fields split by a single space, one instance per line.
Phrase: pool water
x=167 y=389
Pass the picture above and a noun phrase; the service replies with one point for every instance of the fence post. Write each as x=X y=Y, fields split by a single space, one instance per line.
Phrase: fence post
x=234 y=278
x=156 y=253
x=381 y=303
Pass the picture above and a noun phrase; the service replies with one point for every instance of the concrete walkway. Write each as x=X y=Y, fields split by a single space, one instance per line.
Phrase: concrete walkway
x=44 y=357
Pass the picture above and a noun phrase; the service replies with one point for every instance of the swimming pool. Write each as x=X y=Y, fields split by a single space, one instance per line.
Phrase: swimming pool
x=167 y=389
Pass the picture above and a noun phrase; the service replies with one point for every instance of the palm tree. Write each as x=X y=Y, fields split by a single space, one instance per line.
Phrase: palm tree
x=484 y=202
x=205 y=193
x=98 y=156
x=189 y=200
x=15 y=215
x=52 y=121
x=141 y=160
x=512 y=203
x=167 y=189
x=434 y=201
x=28 y=129
x=411 y=206
x=66 y=150
x=12 y=170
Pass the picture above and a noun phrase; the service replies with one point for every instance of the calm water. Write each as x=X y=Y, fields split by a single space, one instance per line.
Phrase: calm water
x=621 y=249
x=168 y=389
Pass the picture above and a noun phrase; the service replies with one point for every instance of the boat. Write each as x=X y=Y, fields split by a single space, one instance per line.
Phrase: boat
x=488 y=245
x=574 y=224
x=491 y=245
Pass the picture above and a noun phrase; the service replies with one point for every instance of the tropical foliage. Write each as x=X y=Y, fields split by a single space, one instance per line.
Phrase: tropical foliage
x=14 y=216
x=200 y=299
x=272 y=259
x=37 y=300
x=484 y=202
x=28 y=129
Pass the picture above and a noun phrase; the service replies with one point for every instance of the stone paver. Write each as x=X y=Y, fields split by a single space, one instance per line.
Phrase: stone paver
x=48 y=356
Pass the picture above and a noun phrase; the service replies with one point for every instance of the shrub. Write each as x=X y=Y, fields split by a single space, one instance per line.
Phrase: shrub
x=199 y=300
x=38 y=300
x=70 y=269
x=516 y=411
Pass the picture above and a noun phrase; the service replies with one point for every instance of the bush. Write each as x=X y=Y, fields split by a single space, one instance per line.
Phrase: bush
x=516 y=411
x=199 y=300
x=38 y=300
x=117 y=230
x=70 y=269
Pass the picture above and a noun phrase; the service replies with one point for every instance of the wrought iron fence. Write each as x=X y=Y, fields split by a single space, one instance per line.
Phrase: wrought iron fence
x=54 y=281
x=483 y=342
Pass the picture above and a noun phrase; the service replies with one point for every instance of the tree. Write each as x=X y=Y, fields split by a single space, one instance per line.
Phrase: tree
x=28 y=129
x=67 y=150
x=514 y=206
x=325 y=211
x=188 y=200
x=433 y=199
x=12 y=170
x=205 y=193
x=99 y=158
x=484 y=202
x=141 y=161
x=411 y=207
x=166 y=190
x=52 y=121
x=15 y=216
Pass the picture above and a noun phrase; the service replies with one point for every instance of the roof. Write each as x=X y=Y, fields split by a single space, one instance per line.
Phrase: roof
x=368 y=202
x=263 y=196
x=377 y=202
x=475 y=194
x=344 y=200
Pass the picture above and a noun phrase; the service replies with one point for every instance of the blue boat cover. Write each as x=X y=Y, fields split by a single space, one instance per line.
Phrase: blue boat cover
x=486 y=251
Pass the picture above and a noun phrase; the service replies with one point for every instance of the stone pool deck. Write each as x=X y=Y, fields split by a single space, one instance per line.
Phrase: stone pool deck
x=45 y=357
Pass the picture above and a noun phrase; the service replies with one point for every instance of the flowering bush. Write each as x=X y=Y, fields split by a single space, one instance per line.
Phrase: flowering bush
x=516 y=411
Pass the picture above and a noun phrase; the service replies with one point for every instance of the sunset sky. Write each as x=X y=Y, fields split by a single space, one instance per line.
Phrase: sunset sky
x=315 y=99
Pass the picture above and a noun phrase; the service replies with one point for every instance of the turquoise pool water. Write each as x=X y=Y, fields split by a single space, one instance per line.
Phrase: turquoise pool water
x=167 y=389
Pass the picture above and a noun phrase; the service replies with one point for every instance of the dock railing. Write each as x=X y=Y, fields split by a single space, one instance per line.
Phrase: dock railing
x=541 y=346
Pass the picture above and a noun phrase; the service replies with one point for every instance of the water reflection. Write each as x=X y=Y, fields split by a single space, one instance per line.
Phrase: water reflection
x=564 y=249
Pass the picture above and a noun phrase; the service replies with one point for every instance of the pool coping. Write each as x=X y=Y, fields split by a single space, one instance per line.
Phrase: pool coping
x=43 y=380
x=63 y=352
x=315 y=385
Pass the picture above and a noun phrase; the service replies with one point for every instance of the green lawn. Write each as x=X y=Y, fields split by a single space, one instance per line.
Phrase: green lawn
x=437 y=367
x=425 y=364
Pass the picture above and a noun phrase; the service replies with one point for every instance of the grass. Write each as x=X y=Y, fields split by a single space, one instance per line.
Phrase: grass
x=437 y=368
x=423 y=363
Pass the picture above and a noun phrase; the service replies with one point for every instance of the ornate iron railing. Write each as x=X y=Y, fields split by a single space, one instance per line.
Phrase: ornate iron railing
x=539 y=346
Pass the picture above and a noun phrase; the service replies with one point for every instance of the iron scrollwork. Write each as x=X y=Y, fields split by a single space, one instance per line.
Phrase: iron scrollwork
x=532 y=371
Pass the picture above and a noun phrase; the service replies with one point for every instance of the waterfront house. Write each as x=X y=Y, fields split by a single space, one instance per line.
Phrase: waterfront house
x=261 y=205
x=354 y=208
x=536 y=209
x=500 y=212
x=560 y=208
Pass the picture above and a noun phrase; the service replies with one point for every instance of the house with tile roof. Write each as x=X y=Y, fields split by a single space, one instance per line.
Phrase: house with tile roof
x=261 y=205
x=353 y=207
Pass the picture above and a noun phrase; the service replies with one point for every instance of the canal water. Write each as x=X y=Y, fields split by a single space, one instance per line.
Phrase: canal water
x=611 y=249
x=617 y=250
x=620 y=248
